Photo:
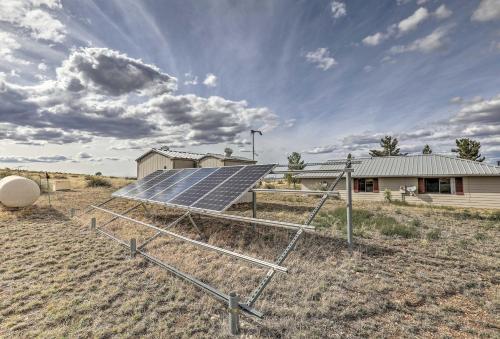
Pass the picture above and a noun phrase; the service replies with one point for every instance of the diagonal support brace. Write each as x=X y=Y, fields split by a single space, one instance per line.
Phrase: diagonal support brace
x=271 y=272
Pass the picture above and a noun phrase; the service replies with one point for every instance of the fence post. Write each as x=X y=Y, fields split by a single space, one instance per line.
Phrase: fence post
x=133 y=247
x=71 y=212
x=234 y=316
x=254 y=204
x=92 y=224
x=349 y=202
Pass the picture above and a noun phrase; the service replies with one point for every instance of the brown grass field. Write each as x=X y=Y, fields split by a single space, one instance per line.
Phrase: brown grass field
x=414 y=272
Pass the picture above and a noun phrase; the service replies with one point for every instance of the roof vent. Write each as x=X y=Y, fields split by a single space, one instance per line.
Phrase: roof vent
x=164 y=148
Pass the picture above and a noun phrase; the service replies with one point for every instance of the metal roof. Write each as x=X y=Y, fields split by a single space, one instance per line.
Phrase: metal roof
x=422 y=165
x=225 y=157
x=192 y=156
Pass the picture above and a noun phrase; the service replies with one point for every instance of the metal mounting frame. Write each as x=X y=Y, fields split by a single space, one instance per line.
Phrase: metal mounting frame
x=276 y=266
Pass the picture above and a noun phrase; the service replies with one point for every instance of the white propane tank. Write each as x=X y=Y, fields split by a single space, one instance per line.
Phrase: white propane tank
x=16 y=191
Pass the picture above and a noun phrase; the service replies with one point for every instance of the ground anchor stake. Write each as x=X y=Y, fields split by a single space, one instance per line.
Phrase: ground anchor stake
x=234 y=314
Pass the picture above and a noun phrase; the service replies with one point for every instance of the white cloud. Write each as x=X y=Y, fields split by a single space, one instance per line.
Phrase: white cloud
x=288 y=123
x=429 y=43
x=456 y=100
x=98 y=92
x=210 y=80
x=44 y=159
x=32 y=16
x=321 y=57
x=375 y=39
x=338 y=9
x=487 y=10
x=479 y=120
x=42 y=67
x=8 y=46
x=442 y=12
x=190 y=79
x=411 y=22
x=422 y=2
x=406 y=25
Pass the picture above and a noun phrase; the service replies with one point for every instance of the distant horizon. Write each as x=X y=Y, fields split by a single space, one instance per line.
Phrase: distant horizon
x=87 y=87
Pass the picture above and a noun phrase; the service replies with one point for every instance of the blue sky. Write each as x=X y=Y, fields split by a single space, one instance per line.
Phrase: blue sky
x=87 y=86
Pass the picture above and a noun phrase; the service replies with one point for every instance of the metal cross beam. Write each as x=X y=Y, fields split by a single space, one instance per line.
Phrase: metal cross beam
x=201 y=244
x=270 y=274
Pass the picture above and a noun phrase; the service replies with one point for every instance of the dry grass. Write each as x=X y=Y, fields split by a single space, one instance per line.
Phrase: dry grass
x=59 y=280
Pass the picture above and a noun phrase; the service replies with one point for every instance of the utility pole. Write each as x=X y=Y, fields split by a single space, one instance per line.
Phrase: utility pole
x=254 y=195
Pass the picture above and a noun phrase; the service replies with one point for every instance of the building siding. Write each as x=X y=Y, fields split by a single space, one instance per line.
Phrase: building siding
x=151 y=163
x=479 y=192
x=211 y=162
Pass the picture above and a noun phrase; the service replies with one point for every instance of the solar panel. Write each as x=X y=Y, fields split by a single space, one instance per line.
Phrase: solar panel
x=205 y=188
x=174 y=190
x=197 y=191
x=224 y=195
x=151 y=183
x=164 y=184
x=136 y=184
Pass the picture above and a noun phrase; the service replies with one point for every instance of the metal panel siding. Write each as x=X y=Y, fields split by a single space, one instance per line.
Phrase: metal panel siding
x=183 y=163
x=151 y=163
x=211 y=162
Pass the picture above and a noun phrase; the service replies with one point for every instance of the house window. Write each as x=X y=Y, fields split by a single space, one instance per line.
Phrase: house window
x=438 y=185
x=366 y=185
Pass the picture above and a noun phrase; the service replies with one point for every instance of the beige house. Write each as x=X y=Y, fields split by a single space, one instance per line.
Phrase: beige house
x=419 y=179
x=156 y=159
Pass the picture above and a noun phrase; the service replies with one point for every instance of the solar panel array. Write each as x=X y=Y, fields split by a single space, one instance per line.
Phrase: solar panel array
x=204 y=188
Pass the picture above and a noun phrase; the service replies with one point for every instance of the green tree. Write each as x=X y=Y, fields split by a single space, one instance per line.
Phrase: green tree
x=427 y=150
x=389 y=147
x=468 y=149
x=295 y=162
x=228 y=151
x=98 y=173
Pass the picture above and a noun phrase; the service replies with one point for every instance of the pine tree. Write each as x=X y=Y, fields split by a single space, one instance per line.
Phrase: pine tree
x=468 y=149
x=427 y=150
x=389 y=147
x=295 y=162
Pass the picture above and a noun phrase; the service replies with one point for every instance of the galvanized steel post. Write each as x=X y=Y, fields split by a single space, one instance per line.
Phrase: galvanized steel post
x=133 y=247
x=92 y=224
x=349 y=203
x=254 y=205
x=234 y=316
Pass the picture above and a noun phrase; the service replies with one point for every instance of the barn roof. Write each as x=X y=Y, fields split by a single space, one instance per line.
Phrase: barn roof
x=192 y=156
x=421 y=165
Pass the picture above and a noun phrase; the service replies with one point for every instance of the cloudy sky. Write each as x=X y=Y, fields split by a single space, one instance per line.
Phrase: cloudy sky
x=90 y=85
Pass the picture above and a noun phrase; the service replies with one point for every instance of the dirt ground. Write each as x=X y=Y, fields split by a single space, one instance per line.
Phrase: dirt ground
x=58 y=279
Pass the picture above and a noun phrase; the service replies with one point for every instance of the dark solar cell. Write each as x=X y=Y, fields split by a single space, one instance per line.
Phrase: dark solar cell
x=136 y=184
x=151 y=183
x=175 y=189
x=198 y=190
x=222 y=197
x=165 y=183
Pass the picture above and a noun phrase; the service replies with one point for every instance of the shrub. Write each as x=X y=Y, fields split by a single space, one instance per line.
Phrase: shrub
x=398 y=230
x=98 y=173
x=480 y=236
x=269 y=185
x=415 y=223
x=400 y=203
x=60 y=176
x=434 y=234
x=363 y=219
x=387 y=195
x=398 y=211
x=95 y=181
